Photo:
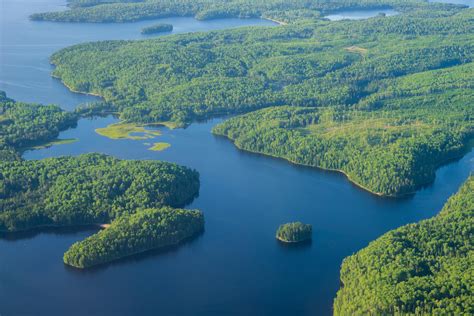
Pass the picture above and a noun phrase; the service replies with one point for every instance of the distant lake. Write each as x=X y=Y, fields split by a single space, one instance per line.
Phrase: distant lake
x=359 y=14
x=236 y=267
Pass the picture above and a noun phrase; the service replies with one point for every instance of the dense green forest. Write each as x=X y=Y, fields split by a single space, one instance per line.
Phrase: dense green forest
x=418 y=269
x=386 y=69
x=294 y=232
x=134 y=233
x=88 y=189
x=157 y=28
x=289 y=11
x=25 y=124
x=390 y=144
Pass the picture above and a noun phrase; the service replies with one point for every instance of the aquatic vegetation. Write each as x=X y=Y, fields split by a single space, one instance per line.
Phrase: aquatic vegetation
x=418 y=269
x=159 y=146
x=125 y=130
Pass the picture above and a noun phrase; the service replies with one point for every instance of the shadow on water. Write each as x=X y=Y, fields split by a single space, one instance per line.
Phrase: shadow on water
x=295 y=246
x=31 y=233
x=142 y=256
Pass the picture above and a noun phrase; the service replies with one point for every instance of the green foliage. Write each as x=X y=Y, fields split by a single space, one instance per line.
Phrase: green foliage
x=419 y=269
x=295 y=10
x=294 y=232
x=157 y=28
x=88 y=189
x=24 y=125
x=130 y=234
x=195 y=76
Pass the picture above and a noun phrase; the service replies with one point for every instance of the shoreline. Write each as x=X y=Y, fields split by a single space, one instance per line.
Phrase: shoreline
x=171 y=245
x=40 y=228
x=360 y=186
x=274 y=20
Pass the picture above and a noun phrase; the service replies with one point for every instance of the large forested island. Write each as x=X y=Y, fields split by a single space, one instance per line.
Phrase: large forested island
x=419 y=269
x=134 y=233
x=387 y=100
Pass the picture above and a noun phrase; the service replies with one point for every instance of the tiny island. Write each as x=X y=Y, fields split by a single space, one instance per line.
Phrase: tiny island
x=157 y=28
x=294 y=232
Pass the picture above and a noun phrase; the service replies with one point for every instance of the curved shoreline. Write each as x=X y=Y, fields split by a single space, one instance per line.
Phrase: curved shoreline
x=348 y=177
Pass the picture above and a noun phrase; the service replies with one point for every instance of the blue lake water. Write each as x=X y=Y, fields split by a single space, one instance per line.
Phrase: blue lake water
x=236 y=267
x=359 y=14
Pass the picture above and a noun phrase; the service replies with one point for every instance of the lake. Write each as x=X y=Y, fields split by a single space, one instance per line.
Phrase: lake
x=236 y=267
x=359 y=14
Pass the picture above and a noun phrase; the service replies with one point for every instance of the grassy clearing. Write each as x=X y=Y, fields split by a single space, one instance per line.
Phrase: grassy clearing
x=159 y=146
x=357 y=50
x=126 y=130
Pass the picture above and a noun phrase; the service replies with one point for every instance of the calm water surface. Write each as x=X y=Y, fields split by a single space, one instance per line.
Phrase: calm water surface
x=236 y=267
x=359 y=14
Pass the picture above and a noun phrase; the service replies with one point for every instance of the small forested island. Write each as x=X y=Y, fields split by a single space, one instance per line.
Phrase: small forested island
x=418 y=269
x=157 y=28
x=294 y=232
x=134 y=233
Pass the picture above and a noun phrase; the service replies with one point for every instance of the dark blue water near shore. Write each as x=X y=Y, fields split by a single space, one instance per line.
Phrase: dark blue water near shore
x=236 y=267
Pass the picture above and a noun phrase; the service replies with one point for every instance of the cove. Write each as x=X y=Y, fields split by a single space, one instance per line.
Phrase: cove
x=25 y=71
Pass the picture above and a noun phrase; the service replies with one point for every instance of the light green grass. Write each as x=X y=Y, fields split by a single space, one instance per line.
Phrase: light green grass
x=159 y=146
x=124 y=130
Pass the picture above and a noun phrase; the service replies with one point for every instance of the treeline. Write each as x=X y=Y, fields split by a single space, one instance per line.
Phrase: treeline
x=295 y=10
x=25 y=124
x=88 y=189
x=134 y=233
x=418 y=269
x=194 y=76
x=157 y=28
x=390 y=144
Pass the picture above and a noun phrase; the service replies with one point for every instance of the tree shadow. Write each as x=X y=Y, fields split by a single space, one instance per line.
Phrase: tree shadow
x=33 y=232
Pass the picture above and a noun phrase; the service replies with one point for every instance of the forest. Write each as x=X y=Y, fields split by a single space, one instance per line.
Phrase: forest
x=384 y=68
x=390 y=145
x=288 y=11
x=294 y=232
x=88 y=189
x=134 y=233
x=25 y=124
x=418 y=269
